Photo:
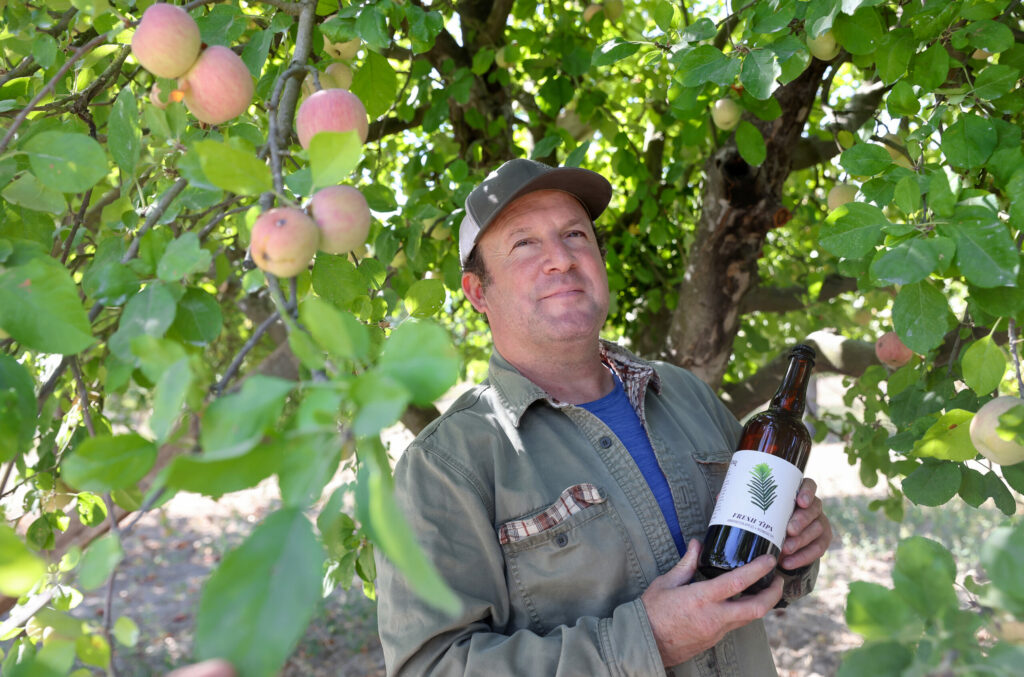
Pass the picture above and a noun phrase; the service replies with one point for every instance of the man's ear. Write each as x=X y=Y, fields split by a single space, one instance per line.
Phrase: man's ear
x=474 y=291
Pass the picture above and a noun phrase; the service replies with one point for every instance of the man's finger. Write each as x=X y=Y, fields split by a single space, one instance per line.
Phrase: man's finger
x=682 y=572
x=736 y=581
x=808 y=489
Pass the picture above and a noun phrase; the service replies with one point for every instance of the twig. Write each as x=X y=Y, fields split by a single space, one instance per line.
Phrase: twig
x=48 y=87
x=1013 y=342
x=7 y=475
x=83 y=397
x=108 y=606
x=218 y=388
x=154 y=216
x=79 y=218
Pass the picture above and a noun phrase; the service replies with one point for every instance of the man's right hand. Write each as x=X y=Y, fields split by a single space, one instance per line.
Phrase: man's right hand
x=688 y=619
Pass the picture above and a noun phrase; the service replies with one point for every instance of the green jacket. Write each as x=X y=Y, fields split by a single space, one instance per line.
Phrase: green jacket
x=540 y=521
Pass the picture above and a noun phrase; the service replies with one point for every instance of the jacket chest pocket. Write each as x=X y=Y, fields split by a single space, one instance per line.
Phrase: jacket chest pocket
x=713 y=465
x=570 y=559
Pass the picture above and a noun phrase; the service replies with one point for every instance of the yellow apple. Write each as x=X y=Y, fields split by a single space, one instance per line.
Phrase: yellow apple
x=824 y=46
x=840 y=194
x=726 y=114
x=987 y=440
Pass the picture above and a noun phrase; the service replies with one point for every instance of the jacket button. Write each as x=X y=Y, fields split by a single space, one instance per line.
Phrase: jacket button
x=562 y=540
x=605 y=442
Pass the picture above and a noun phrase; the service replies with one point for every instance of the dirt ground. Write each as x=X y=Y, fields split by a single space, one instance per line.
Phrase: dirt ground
x=172 y=551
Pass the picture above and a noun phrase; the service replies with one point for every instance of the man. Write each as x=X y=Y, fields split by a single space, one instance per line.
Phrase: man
x=557 y=497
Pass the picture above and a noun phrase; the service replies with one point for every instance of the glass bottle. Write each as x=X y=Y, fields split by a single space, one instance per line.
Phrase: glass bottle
x=758 y=495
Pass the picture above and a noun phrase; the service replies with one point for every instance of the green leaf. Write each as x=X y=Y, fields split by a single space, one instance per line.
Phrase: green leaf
x=218 y=476
x=17 y=409
x=234 y=424
x=93 y=650
x=876 y=612
x=987 y=34
x=865 y=159
x=908 y=262
x=893 y=54
x=878 y=659
x=333 y=156
x=40 y=308
x=198 y=319
x=425 y=297
x=107 y=462
x=933 y=483
x=168 y=397
x=995 y=81
x=29 y=192
x=968 y=142
x=391 y=532
x=924 y=574
x=750 y=144
x=182 y=257
x=376 y=85
x=614 y=50
x=125 y=135
x=372 y=27
x=983 y=365
x=107 y=280
x=126 y=632
x=861 y=33
x=759 y=72
x=706 y=64
x=985 y=251
x=908 y=194
x=921 y=316
x=1001 y=555
x=337 y=280
x=930 y=67
x=381 y=401
x=233 y=169
x=68 y=162
x=99 y=561
x=20 y=568
x=948 y=438
x=150 y=312
x=1001 y=496
x=972 y=487
x=420 y=356
x=338 y=332
x=852 y=230
x=902 y=100
x=255 y=607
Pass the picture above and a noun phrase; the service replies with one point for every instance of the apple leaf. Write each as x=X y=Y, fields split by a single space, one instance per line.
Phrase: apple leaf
x=983 y=365
x=948 y=438
x=333 y=156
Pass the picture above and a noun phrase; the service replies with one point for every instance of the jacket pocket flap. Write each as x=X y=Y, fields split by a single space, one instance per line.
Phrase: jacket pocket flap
x=571 y=501
x=713 y=456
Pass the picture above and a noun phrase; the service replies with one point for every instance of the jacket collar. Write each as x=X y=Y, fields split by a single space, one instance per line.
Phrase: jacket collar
x=517 y=392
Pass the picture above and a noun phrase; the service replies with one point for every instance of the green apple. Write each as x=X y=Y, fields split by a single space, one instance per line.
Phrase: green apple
x=726 y=114
x=824 y=46
x=840 y=194
x=987 y=440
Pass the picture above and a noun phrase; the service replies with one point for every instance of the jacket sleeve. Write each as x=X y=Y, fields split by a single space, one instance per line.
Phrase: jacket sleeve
x=450 y=511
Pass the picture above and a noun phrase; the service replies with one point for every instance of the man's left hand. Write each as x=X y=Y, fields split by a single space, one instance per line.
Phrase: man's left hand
x=808 y=533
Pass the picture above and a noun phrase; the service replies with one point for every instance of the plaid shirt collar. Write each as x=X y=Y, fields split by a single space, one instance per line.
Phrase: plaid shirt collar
x=517 y=392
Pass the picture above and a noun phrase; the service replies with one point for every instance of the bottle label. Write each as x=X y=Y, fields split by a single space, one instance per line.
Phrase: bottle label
x=758 y=495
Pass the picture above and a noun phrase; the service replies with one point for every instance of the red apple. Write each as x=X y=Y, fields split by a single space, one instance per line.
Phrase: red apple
x=218 y=87
x=330 y=110
x=166 y=42
x=284 y=241
x=891 y=352
x=343 y=217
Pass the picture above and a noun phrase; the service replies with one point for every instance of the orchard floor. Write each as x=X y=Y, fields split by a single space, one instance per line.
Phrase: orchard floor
x=172 y=550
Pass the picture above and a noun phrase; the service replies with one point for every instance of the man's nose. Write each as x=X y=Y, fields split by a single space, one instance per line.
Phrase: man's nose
x=558 y=256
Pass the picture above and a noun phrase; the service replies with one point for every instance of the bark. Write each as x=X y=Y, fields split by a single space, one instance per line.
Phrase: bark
x=740 y=205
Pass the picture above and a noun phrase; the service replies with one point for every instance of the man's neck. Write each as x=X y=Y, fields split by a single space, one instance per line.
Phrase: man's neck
x=574 y=374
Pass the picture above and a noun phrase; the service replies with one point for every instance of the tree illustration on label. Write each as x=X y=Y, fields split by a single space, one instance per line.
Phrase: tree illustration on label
x=762 y=486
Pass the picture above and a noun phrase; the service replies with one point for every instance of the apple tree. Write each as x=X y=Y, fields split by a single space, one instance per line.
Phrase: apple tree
x=828 y=171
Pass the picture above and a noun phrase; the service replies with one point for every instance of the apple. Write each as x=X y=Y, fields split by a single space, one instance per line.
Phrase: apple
x=4 y=335
x=343 y=217
x=899 y=157
x=166 y=42
x=824 y=46
x=340 y=74
x=987 y=440
x=346 y=51
x=284 y=241
x=590 y=12
x=330 y=110
x=891 y=352
x=981 y=54
x=840 y=194
x=501 y=57
x=613 y=9
x=218 y=87
x=726 y=114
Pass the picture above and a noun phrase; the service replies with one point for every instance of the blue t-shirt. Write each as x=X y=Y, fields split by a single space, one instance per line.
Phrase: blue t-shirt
x=615 y=410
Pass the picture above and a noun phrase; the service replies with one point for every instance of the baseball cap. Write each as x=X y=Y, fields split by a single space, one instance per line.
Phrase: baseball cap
x=518 y=177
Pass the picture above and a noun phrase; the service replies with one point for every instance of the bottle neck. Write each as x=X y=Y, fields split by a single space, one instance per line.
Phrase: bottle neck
x=791 y=396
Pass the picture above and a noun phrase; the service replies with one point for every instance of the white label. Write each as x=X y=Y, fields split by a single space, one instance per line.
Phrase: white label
x=758 y=495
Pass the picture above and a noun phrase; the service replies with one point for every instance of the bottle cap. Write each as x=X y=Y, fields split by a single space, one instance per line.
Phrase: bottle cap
x=803 y=351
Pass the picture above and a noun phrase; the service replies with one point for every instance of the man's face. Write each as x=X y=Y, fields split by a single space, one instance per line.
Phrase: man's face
x=547 y=280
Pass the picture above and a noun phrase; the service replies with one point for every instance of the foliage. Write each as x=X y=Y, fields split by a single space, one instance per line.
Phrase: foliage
x=143 y=355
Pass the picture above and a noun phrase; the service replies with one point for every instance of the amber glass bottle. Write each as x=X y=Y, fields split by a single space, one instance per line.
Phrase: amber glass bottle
x=759 y=492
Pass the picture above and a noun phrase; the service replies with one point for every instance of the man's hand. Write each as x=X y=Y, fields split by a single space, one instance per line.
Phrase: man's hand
x=687 y=619
x=808 y=533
